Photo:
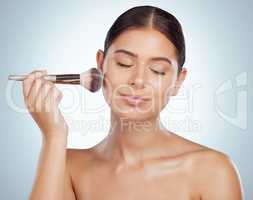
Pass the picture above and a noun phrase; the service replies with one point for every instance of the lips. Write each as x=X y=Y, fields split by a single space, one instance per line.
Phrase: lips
x=135 y=100
x=135 y=97
x=132 y=101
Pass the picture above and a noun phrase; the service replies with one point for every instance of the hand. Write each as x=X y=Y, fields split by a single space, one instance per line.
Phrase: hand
x=42 y=99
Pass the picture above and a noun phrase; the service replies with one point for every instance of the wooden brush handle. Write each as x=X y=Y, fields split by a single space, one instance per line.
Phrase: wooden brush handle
x=56 y=78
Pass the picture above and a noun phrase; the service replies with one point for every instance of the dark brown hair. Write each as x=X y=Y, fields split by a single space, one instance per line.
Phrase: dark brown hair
x=149 y=16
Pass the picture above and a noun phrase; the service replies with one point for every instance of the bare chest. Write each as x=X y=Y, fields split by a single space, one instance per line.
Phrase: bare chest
x=99 y=184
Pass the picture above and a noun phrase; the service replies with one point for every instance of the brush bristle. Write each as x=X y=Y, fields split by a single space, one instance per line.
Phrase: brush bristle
x=96 y=79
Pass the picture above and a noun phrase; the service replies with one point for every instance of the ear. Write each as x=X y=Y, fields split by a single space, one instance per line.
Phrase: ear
x=100 y=59
x=180 y=79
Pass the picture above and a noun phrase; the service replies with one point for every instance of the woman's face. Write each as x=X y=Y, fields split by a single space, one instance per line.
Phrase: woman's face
x=139 y=62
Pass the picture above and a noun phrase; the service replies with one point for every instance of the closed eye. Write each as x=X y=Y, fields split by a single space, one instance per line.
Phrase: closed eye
x=123 y=65
x=156 y=72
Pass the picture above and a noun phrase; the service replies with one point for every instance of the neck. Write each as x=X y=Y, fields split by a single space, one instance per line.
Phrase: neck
x=131 y=141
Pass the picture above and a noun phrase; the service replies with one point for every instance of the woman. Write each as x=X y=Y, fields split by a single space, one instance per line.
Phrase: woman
x=142 y=63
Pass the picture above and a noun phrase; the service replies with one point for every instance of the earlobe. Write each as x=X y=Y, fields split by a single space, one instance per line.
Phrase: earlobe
x=100 y=59
x=179 y=82
x=181 y=77
x=183 y=72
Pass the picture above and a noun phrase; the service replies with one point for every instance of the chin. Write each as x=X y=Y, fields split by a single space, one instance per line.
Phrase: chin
x=133 y=114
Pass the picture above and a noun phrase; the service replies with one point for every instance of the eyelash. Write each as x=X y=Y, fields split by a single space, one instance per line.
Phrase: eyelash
x=156 y=72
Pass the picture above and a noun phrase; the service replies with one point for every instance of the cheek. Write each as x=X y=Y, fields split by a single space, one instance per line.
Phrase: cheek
x=162 y=93
x=112 y=84
x=107 y=87
x=116 y=77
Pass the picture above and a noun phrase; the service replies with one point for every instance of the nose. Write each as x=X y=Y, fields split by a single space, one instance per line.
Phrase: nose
x=138 y=78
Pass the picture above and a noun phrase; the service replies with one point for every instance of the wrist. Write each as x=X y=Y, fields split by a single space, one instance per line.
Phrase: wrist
x=54 y=138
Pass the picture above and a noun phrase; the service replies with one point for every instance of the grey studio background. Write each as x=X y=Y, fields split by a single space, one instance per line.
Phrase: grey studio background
x=213 y=107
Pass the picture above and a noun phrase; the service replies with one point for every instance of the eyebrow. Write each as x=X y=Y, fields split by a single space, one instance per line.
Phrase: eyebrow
x=135 y=55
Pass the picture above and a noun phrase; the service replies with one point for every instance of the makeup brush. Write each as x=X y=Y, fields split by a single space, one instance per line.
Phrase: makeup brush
x=90 y=79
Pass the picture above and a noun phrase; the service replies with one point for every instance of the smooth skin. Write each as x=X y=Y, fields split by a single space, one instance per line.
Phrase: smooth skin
x=139 y=159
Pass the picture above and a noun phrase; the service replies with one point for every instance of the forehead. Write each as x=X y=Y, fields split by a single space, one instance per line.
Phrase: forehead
x=145 y=42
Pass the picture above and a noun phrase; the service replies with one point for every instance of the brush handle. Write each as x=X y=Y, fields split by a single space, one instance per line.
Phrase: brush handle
x=67 y=78
x=55 y=78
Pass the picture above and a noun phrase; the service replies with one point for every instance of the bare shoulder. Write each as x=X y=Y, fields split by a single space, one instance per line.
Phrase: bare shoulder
x=213 y=173
x=217 y=175
x=183 y=147
x=207 y=160
x=214 y=162
x=79 y=158
x=210 y=157
x=76 y=153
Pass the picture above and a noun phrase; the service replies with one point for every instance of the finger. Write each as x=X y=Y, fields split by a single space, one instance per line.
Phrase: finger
x=34 y=92
x=34 y=76
x=36 y=80
x=27 y=87
x=44 y=89
x=59 y=98
x=28 y=81
x=51 y=99
x=57 y=95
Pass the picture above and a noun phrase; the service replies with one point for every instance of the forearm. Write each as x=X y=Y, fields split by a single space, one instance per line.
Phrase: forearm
x=49 y=181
